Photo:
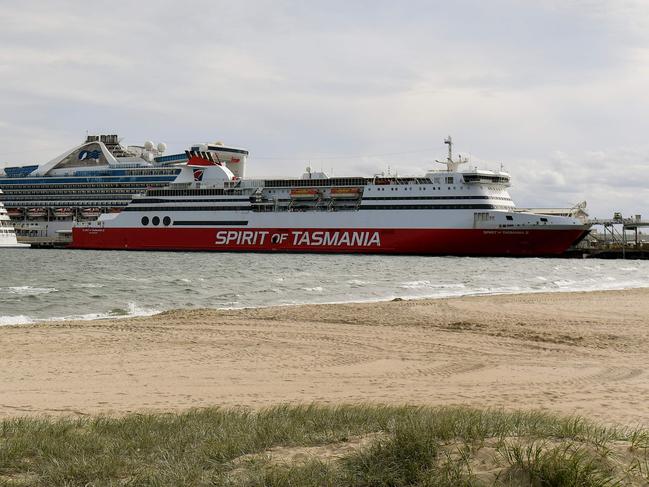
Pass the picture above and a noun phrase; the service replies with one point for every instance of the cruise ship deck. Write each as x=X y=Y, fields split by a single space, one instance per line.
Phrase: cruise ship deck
x=99 y=176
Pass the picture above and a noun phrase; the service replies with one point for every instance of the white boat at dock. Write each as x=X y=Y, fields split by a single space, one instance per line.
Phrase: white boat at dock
x=7 y=232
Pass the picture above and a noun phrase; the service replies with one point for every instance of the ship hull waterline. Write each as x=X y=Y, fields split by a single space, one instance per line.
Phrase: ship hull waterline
x=459 y=242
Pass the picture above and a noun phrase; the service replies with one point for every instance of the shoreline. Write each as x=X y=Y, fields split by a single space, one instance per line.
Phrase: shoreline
x=563 y=352
x=153 y=313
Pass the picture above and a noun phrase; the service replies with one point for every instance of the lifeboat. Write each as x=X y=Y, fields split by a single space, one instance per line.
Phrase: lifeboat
x=36 y=212
x=90 y=212
x=345 y=193
x=63 y=212
x=15 y=212
x=305 y=194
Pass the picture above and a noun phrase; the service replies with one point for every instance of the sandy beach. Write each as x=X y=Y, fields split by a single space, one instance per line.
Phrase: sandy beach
x=584 y=353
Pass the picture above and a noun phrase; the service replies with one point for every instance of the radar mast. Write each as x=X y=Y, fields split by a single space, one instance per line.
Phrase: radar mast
x=451 y=165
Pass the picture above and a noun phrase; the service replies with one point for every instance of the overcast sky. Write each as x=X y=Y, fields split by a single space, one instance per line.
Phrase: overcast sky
x=556 y=91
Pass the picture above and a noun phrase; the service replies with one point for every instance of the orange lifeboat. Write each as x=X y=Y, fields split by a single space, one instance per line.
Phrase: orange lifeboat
x=36 y=212
x=63 y=212
x=90 y=212
x=345 y=193
x=15 y=212
x=305 y=193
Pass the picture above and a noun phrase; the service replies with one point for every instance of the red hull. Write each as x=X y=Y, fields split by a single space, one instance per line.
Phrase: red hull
x=469 y=242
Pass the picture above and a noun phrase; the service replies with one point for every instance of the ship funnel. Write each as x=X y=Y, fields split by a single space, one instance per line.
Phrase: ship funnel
x=231 y=157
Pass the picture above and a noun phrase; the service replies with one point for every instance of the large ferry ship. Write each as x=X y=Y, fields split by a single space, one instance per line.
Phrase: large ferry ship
x=210 y=206
x=7 y=233
x=99 y=176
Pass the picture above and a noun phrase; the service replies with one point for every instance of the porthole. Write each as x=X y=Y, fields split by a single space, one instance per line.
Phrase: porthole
x=145 y=220
x=155 y=221
x=167 y=221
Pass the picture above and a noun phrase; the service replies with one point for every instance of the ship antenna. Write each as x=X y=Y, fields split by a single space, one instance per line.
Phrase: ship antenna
x=452 y=165
x=449 y=141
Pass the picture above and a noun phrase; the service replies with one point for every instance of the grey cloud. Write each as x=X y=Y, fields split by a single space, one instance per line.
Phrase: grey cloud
x=513 y=81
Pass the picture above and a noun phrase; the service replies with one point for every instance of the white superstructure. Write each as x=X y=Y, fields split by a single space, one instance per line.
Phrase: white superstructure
x=7 y=233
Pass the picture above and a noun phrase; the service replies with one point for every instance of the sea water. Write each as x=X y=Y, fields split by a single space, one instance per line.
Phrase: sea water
x=40 y=285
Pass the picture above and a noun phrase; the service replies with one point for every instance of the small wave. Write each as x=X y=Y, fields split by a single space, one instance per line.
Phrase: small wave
x=429 y=285
x=89 y=285
x=132 y=310
x=27 y=290
x=15 y=320
x=357 y=282
x=563 y=283
x=415 y=285
x=317 y=289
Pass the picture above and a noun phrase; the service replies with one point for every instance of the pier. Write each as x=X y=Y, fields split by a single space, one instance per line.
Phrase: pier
x=59 y=241
x=620 y=238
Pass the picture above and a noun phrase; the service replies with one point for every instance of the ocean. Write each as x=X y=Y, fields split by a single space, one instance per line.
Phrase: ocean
x=37 y=285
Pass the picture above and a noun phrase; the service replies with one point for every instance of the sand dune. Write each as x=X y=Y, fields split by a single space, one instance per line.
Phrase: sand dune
x=584 y=353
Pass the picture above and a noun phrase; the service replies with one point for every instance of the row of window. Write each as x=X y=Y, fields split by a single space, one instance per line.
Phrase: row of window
x=128 y=172
x=64 y=203
x=143 y=201
x=481 y=178
x=14 y=200
x=48 y=185
x=194 y=192
x=23 y=194
x=433 y=207
x=407 y=198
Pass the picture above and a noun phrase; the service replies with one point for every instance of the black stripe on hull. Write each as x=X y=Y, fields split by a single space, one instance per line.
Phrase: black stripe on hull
x=214 y=223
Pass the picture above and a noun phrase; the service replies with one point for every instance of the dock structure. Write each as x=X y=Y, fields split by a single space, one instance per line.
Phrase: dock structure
x=620 y=238
x=60 y=240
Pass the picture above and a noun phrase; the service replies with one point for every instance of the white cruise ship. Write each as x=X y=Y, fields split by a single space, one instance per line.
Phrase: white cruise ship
x=99 y=176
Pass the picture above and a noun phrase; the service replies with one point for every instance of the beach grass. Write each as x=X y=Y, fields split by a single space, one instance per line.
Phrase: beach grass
x=318 y=445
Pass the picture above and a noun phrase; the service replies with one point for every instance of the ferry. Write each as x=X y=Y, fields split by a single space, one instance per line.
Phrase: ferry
x=211 y=206
x=7 y=233
x=101 y=175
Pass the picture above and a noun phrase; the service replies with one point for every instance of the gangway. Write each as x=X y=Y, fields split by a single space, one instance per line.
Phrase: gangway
x=616 y=231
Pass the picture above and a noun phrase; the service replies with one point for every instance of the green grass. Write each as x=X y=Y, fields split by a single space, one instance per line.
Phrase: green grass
x=362 y=445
